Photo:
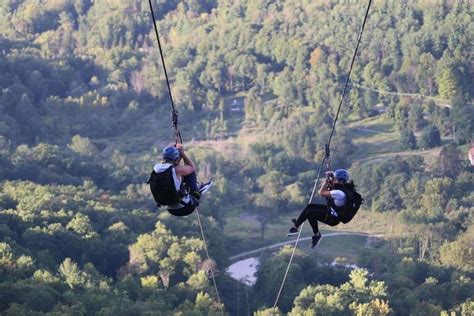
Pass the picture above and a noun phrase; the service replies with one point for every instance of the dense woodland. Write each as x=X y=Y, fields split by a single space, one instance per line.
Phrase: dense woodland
x=84 y=111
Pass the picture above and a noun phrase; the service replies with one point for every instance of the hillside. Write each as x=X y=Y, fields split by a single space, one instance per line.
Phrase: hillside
x=85 y=113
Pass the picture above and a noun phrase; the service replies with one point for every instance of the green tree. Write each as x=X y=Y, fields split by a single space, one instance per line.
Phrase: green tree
x=72 y=275
x=82 y=225
x=416 y=118
x=411 y=192
x=461 y=118
x=269 y=278
x=83 y=146
x=425 y=75
x=448 y=83
x=430 y=137
x=407 y=139
x=435 y=198
x=6 y=256
x=268 y=312
x=449 y=162
x=358 y=296
x=459 y=253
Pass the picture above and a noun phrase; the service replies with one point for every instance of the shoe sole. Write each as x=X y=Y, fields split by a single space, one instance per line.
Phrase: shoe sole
x=319 y=241
x=291 y=234
x=208 y=186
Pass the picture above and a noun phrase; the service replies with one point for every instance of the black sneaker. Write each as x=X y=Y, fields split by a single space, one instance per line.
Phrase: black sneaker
x=315 y=240
x=293 y=231
x=205 y=187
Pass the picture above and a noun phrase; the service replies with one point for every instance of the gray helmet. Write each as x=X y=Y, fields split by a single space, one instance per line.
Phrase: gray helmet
x=342 y=175
x=170 y=152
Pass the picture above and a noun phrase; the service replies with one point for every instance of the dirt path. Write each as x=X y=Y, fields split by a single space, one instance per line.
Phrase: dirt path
x=369 y=130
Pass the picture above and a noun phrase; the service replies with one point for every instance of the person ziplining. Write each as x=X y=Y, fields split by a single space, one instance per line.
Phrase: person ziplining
x=352 y=199
x=342 y=203
x=175 y=185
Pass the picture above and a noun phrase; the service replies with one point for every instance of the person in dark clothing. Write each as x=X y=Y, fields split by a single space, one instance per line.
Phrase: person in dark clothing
x=176 y=185
x=330 y=214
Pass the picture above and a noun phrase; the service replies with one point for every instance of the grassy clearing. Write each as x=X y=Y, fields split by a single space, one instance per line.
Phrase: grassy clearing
x=247 y=231
x=377 y=138
x=372 y=223
x=332 y=247
x=374 y=136
x=378 y=123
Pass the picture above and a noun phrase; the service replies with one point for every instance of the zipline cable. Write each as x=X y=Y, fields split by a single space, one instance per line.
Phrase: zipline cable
x=174 y=113
x=209 y=258
x=350 y=71
x=247 y=299
x=179 y=139
x=327 y=148
x=238 y=297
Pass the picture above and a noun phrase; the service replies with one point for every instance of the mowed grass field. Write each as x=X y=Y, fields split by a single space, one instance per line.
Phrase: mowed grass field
x=246 y=230
x=345 y=246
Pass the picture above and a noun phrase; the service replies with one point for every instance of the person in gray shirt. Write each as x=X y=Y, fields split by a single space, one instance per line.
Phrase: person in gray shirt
x=175 y=185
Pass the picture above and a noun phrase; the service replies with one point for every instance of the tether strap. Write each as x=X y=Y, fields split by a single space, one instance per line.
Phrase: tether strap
x=327 y=149
x=174 y=113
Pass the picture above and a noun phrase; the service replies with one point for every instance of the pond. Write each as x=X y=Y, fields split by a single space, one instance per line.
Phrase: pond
x=244 y=270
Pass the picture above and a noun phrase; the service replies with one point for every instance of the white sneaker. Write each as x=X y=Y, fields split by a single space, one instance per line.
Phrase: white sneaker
x=205 y=187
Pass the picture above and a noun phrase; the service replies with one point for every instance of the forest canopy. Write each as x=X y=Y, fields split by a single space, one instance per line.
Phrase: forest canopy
x=84 y=112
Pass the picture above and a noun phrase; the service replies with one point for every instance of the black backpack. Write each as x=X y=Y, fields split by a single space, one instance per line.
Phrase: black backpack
x=352 y=205
x=163 y=188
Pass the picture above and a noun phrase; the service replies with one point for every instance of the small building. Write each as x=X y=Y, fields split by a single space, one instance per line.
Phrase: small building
x=379 y=108
x=236 y=104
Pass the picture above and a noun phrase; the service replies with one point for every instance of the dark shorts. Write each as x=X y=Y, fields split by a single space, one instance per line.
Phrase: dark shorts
x=187 y=209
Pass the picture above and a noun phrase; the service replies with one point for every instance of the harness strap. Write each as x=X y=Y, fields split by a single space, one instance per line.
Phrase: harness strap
x=327 y=150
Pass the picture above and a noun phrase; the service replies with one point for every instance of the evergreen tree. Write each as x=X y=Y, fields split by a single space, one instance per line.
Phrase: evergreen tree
x=462 y=122
x=430 y=137
x=448 y=84
x=449 y=162
x=407 y=139
x=416 y=118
